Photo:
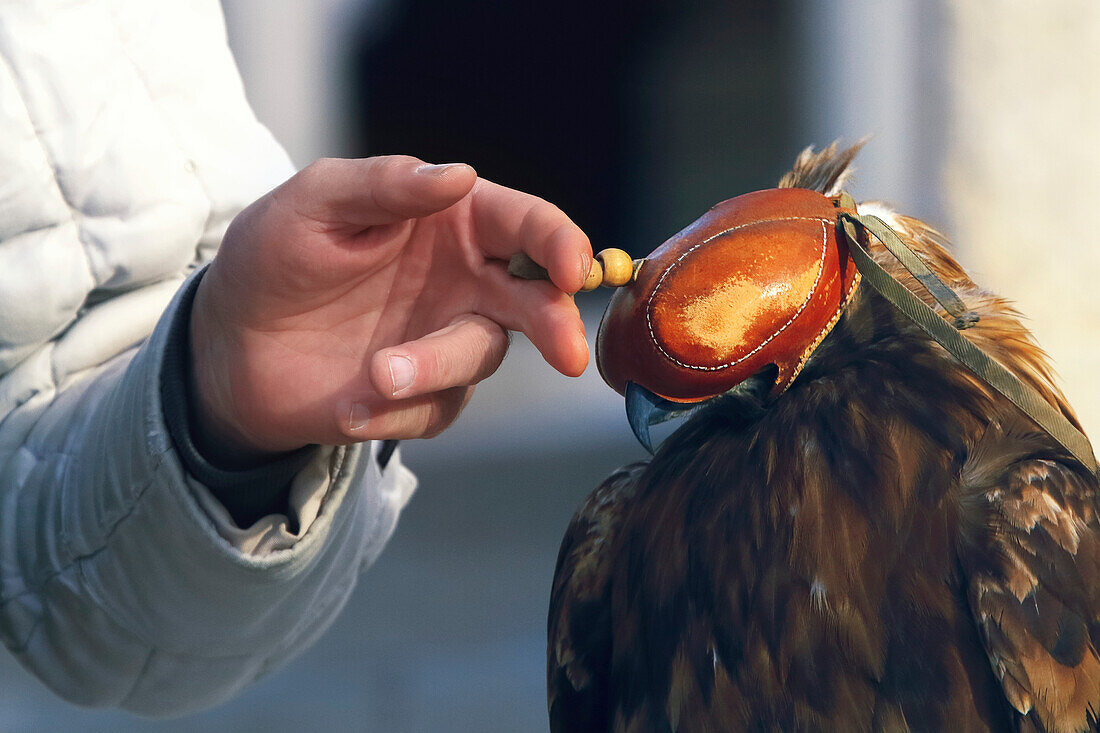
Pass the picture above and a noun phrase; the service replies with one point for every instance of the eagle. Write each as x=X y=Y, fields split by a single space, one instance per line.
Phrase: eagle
x=884 y=543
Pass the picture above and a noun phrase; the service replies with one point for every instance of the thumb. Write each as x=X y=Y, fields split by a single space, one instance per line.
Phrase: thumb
x=424 y=384
x=464 y=353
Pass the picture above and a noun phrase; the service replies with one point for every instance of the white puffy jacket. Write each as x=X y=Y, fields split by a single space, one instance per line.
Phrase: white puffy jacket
x=126 y=146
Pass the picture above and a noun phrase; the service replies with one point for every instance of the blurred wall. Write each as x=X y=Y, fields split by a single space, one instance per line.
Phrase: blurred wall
x=293 y=56
x=877 y=69
x=1022 y=170
x=984 y=119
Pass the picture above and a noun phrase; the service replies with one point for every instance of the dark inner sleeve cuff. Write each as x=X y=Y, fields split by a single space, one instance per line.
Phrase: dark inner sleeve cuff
x=247 y=495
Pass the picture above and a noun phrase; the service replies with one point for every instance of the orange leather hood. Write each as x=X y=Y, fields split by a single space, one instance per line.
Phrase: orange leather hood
x=759 y=279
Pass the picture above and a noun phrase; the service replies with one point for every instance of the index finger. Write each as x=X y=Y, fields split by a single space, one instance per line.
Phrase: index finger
x=365 y=192
x=507 y=221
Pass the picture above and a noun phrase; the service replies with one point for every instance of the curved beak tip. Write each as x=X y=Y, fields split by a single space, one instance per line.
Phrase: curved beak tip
x=645 y=409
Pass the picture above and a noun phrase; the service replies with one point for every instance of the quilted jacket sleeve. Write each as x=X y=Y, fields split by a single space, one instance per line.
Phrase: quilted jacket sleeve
x=120 y=584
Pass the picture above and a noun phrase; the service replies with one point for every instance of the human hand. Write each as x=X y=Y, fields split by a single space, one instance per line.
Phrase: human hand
x=363 y=299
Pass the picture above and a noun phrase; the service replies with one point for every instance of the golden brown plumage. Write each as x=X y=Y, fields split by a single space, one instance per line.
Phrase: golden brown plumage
x=886 y=546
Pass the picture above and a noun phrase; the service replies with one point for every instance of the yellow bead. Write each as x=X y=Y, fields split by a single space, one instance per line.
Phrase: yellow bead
x=595 y=276
x=618 y=268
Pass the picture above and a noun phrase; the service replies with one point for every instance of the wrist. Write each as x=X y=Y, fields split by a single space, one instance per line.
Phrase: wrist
x=216 y=430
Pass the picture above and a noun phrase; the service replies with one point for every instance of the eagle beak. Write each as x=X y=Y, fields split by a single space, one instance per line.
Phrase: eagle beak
x=645 y=409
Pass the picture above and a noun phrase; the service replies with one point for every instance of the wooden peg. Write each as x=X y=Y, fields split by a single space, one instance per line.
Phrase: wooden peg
x=612 y=268
x=618 y=268
x=595 y=277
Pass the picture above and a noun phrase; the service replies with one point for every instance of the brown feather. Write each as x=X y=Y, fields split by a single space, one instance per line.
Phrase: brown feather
x=579 y=624
x=826 y=171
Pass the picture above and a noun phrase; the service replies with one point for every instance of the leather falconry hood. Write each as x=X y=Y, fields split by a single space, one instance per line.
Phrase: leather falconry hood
x=758 y=280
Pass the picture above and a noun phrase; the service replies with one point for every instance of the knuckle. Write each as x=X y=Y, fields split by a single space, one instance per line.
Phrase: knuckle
x=485 y=332
x=432 y=368
x=545 y=226
x=553 y=220
x=388 y=165
x=530 y=222
x=563 y=239
x=485 y=347
x=318 y=169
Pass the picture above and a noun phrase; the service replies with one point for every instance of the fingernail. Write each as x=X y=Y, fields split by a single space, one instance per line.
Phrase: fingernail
x=358 y=415
x=586 y=267
x=438 y=170
x=401 y=372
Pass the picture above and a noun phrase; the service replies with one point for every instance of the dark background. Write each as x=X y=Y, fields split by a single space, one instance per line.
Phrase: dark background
x=629 y=116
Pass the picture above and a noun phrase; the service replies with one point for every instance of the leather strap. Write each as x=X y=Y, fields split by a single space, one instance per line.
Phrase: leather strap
x=981 y=364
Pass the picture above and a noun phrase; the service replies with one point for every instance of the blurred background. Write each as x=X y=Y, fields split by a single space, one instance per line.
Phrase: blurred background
x=635 y=118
